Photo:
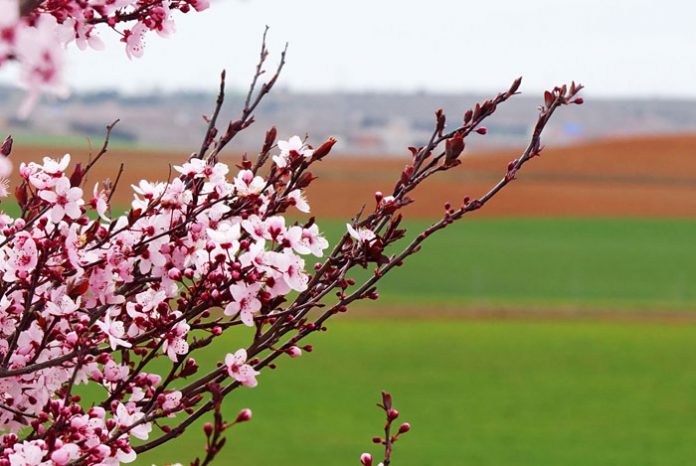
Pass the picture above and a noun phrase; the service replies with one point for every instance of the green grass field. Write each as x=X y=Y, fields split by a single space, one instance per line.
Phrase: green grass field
x=499 y=393
x=550 y=263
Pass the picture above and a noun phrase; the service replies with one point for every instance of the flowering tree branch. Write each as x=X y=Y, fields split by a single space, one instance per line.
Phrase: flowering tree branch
x=92 y=298
x=35 y=33
x=389 y=439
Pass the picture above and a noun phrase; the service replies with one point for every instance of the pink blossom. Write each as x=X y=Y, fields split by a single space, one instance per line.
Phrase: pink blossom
x=115 y=372
x=292 y=269
x=200 y=5
x=246 y=302
x=5 y=166
x=294 y=147
x=135 y=42
x=148 y=191
x=226 y=236
x=63 y=306
x=255 y=227
x=194 y=168
x=65 y=200
x=4 y=187
x=128 y=416
x=100 y=202
x=172 y=400
x=247 y=184
x=55 y=168
x=41 y=55
x=114 y=330
x=175 y=341
x=65 y=454
x=83 y=34
x=362 y=235
x=294 y=352
x=27 y=453
x=307 y=240
x=22 y=258
x=298 y=199
x=239 y=370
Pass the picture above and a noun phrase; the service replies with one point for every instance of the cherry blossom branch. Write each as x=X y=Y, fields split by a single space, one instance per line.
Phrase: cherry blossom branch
x=100 y=299
x=266 y=341
x=389 y=439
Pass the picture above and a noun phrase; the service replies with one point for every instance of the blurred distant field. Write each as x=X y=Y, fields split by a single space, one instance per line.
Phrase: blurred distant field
x=554 y=327
x=641 y=177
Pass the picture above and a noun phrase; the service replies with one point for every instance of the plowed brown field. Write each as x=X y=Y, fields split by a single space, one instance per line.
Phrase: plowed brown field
x=653 y=176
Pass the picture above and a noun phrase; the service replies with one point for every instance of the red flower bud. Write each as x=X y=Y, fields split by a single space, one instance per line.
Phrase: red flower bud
x=21 y=195
x=324 y=149
x=270 y=139
x=515 y=85
x=405 y=427
x=454 y=146
x=76 y=177
x=244 y=415
x=366 y=459
x=386 y=400
x=548 y=99
x=468 y=115
x=6 y=147
x=305 y=179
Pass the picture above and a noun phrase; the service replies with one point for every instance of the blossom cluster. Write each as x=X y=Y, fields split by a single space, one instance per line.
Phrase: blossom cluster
x=91 y=298
x=93 y=301
x=35 y=33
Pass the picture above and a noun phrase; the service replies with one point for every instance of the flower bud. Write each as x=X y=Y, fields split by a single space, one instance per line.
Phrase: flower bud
x=386 y=400
x=482 y=130
x=6 y=147
x=208 y=429
x=77 y=174
x=21 y=195
x=244 y=415
x=454 y=147
x=294 y=352
x=392 y=414
x=366 y=459
x=323 y=150
x=405 y=427
x=305 y=180
x=270 y=139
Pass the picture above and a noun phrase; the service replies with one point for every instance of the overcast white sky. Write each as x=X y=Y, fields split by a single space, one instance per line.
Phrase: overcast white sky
x=615 y=47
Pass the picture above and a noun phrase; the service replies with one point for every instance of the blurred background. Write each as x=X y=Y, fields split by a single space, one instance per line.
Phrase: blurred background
x=554 y=327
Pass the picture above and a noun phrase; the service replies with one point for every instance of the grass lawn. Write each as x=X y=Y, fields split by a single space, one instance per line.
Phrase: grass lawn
x=500 y=393
x=645 y=264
